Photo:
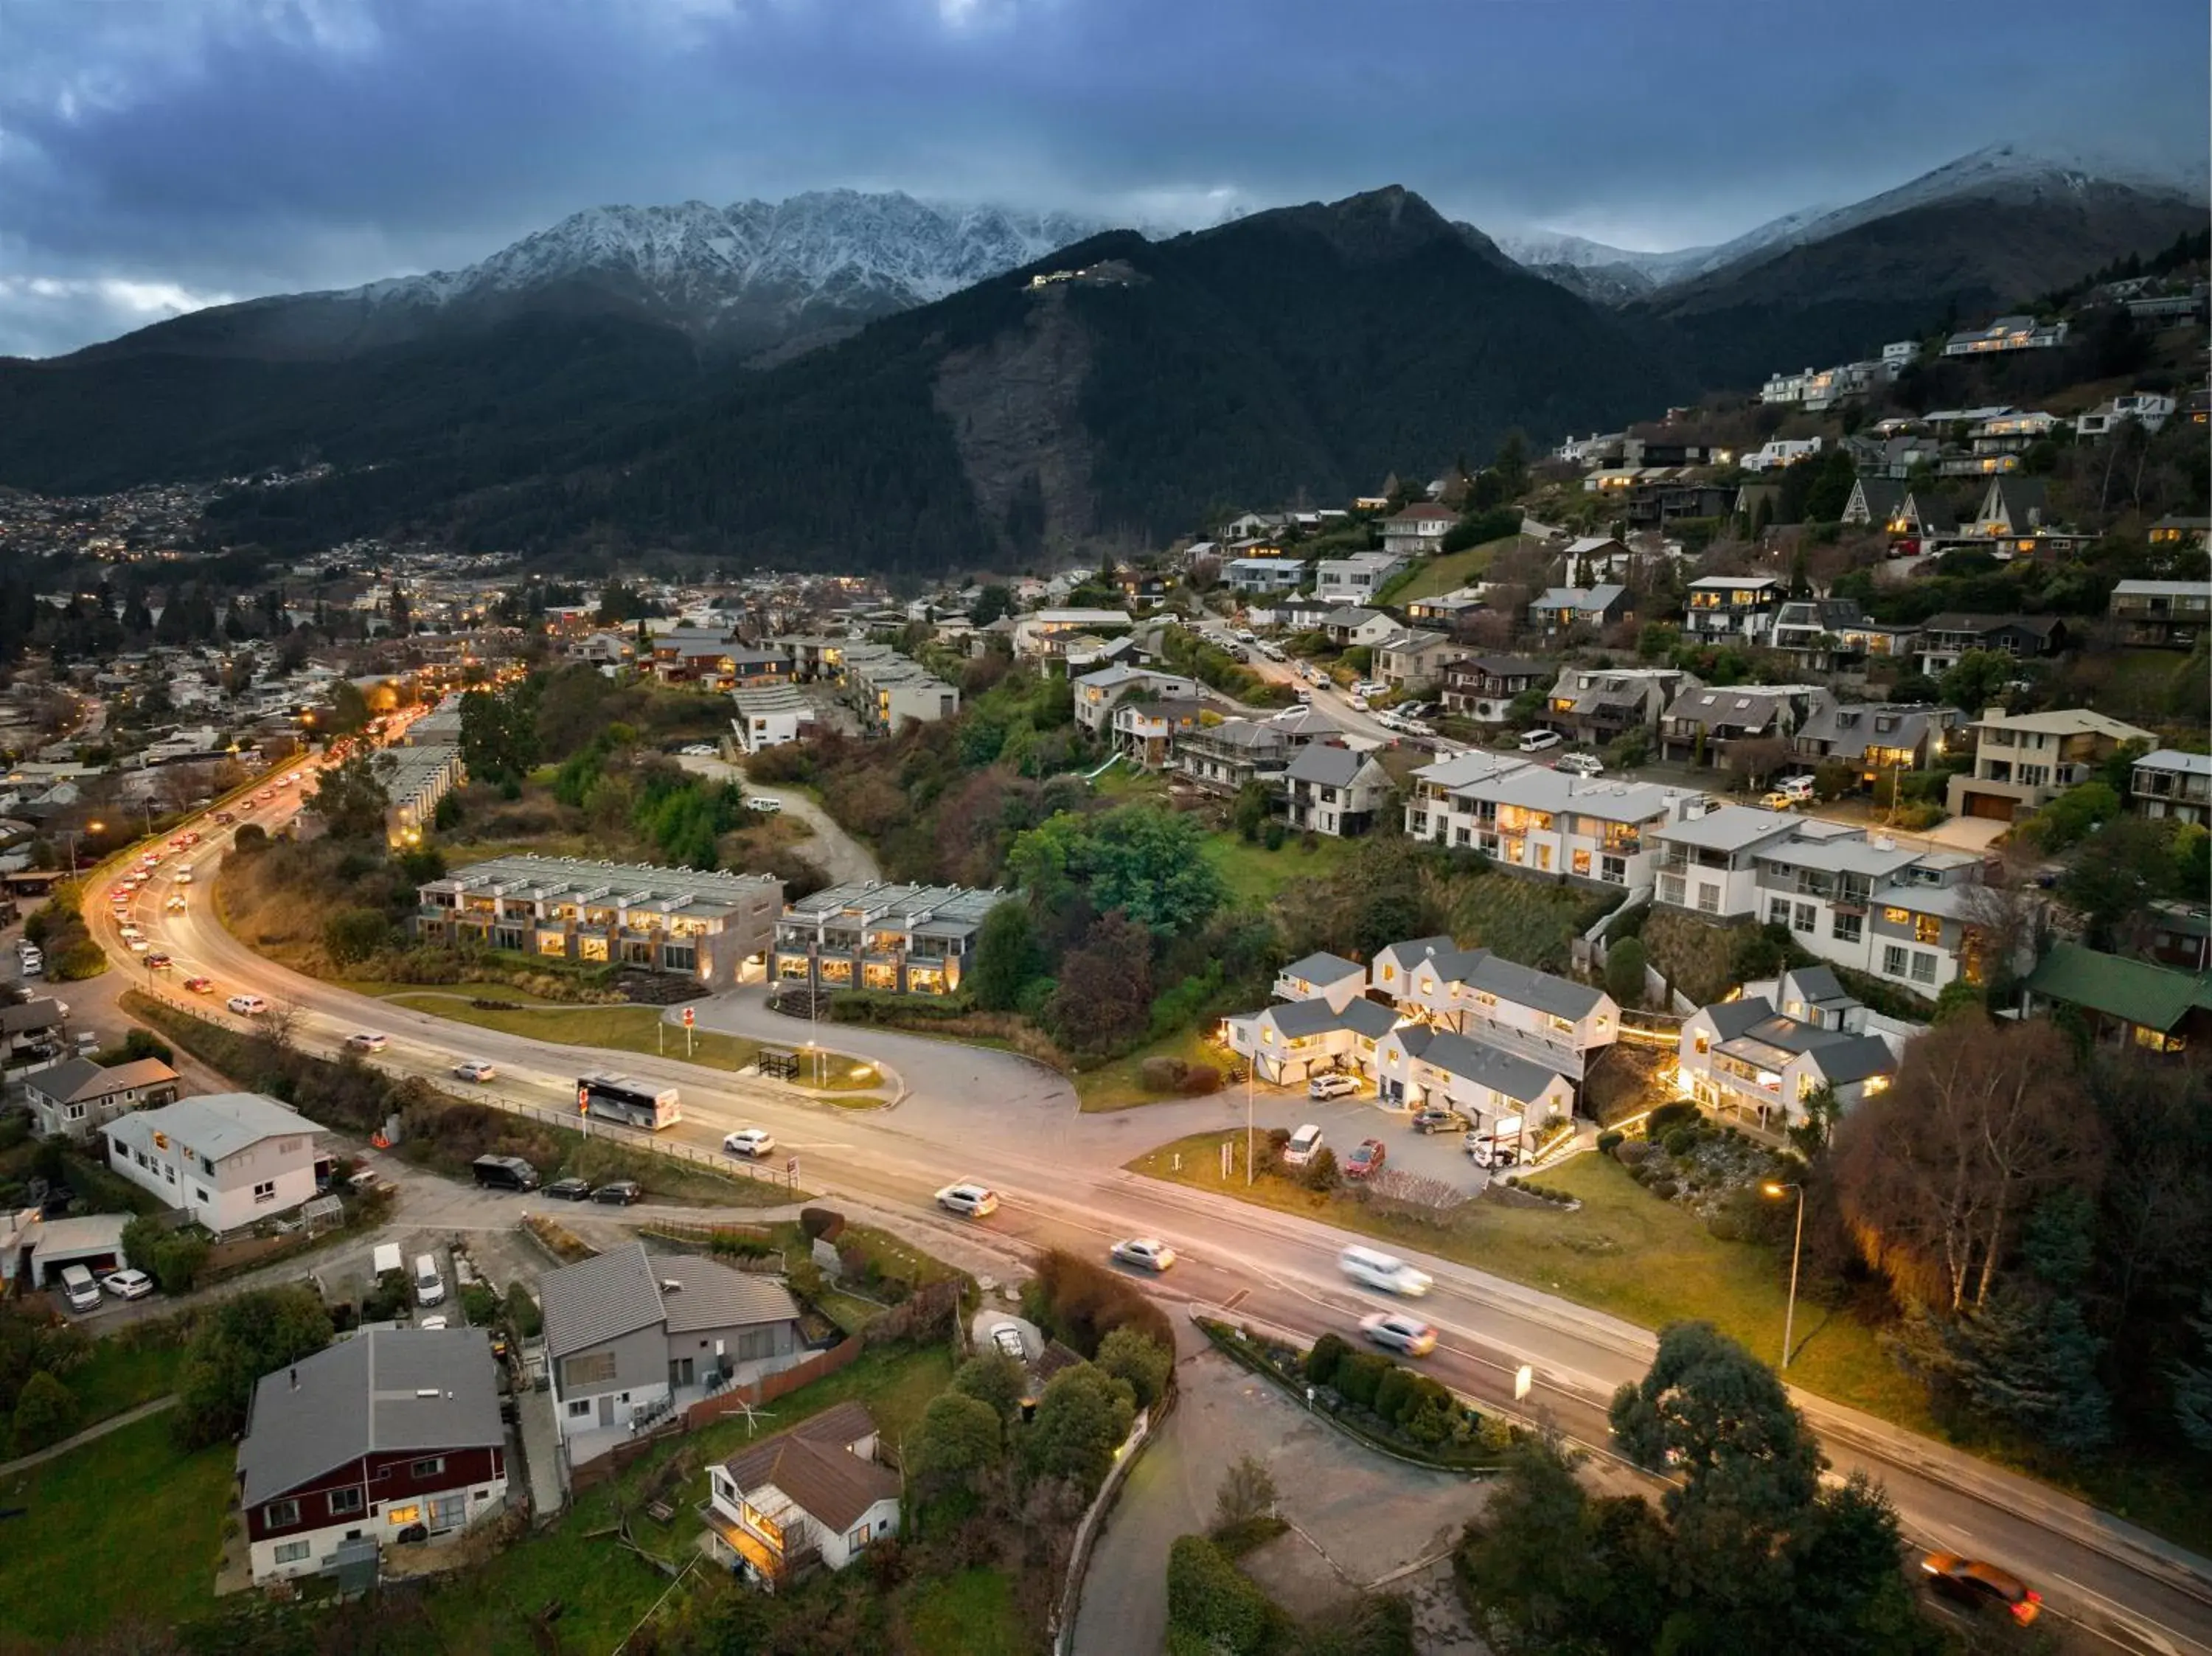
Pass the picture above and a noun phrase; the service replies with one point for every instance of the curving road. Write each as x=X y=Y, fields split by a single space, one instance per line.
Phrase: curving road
x=2122 y=1588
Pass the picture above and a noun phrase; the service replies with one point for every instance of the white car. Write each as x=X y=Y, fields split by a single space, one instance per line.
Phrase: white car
x=1371 y=1268
x=699 y=750
x=1537 y=741
x=128 y=1284
x=184 y=877
x=176 y=905
x=975 y=1201
x=247 y=1006
x=1148 y=1251
x=435 y=1321
x=1581 y=764
x=368 y=1040
x=1008 y=1339
x=1798 y=787
x=474 y=1068
x=1332 y=1086
x=1305 y=1145
x=1394 y=1331
x=766 y=807
x=749 y=1141
x=138 y=945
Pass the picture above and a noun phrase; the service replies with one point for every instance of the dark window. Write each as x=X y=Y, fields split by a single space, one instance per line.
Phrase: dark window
x=430 y=1468
x=345 y=1501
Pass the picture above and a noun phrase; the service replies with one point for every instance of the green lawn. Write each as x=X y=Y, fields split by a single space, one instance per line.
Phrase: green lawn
x=971 y=1614
x=623 y=1029
x=1625 y=1251
x=1126 y=781
x=1114 y=1085
x=1255 y=874
x=117 y=1377
x=603 y=1590
x=127 y=1527
x=1451 y=571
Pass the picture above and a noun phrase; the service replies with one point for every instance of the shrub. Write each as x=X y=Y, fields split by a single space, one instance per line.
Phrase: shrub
x=1213 y=1609
x=522 y=1312
x=821 y=1225
x=1274 y=836
x=1320 y=1173
x=1665 y=1189
x=1394 y=1393
x=1162 y=1074
x=1199 y=1079
x=1358 y=1374
x=1623 y=971
x=1129 y=1355
x=1082 y=1302
x=1631 y=1153
x=1669 y=1115
x=1610 y=1140
x=46 y=1413
x=1321 y=1361
x=1680 y=1141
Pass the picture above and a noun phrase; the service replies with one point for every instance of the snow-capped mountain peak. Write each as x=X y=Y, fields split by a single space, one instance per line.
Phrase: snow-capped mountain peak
x=847 y=254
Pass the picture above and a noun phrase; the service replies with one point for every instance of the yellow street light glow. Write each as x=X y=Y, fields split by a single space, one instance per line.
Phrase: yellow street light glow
x=1773 y=1189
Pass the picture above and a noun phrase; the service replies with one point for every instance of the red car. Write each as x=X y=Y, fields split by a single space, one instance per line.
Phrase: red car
x=199 y=985
x=1364 y=1159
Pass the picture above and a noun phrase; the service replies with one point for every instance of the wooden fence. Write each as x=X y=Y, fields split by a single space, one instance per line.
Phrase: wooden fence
x=767 y=1389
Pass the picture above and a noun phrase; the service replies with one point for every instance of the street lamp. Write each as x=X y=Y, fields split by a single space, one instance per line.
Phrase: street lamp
x=1775 y=1191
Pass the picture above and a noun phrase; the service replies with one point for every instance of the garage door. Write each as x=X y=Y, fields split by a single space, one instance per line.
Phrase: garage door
x=1996 y=807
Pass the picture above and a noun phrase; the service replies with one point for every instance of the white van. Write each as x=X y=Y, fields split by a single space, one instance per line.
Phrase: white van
x=430 y=1286
x=79 y=1288
x=1372 y=1269
x=1305 y=1145
x=1798 y=788
x=386 y=1257
x=30 y=960
x=1537 y=741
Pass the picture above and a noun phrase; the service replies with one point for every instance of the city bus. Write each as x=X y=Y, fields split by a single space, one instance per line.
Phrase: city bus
x=631 y=1103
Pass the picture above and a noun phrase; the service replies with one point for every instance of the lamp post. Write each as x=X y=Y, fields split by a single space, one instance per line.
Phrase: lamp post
x=1790 y=1315
x=1251 y=1081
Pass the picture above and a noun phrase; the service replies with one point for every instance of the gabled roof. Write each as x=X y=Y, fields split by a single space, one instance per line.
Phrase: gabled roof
x=212 y=1125
x=597 y=1299
x=1300 y=1018
x=2154 y=997
x=1731 y=1018
x=387 y=1390
x=1517 y=1078
x=814 y=1468
x=81 y=1078
x=707 y=1294
x=1323 y=967
x=1413 y=950
x=1326 y=765
x=1523 y=986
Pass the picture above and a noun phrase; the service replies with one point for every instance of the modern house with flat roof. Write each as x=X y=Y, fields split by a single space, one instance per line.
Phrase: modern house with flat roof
x=415 y=777
x=896 y=940
x=2169 y=615
x=712 y=927
x=770 y=715
x=2168 y=783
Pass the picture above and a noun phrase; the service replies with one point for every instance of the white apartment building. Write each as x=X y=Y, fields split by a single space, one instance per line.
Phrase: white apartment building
x=1097 y=694
x=1746 y=1059
x=1535 y=820
x=770 y=715
x=227 y=1159
x=1471 y=992
x=1357 y=579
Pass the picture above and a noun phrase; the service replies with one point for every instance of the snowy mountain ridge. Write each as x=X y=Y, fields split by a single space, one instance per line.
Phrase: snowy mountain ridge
x=856 y=253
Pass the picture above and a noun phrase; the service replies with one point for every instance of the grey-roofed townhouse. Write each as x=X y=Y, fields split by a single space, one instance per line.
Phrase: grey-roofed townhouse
x=1323 y=976
x=1332 y=789
x=1418 y=1065
x=1293 y=1040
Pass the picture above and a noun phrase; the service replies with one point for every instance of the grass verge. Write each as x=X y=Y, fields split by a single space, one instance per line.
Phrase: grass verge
x=126 y=1529
x=121 y=1376
x=1117 y=1085
x=971 y=1614
x=1451 y=571
x=623 y=1029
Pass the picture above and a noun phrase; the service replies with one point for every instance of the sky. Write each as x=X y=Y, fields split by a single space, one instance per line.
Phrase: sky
x=158 y=155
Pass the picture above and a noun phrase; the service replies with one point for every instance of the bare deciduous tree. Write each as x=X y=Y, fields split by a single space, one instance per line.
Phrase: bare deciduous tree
x=1933 y=1174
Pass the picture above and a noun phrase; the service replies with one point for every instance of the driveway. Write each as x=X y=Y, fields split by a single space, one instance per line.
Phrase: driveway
x=842 y=858
x=1360 y=1518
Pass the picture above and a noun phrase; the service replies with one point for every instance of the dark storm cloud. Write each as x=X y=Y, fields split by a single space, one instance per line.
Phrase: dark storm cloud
x=159 y=153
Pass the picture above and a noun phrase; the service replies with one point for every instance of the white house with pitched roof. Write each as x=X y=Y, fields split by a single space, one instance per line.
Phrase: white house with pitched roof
x=226 y=1159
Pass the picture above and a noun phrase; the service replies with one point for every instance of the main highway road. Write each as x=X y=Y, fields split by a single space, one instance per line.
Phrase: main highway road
x=1061 y=1186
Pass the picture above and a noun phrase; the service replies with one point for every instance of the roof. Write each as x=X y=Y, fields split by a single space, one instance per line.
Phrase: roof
x=1327 y=765
x=1817 y=984
x=599 y=1298
x=1954 y=621
x=1539 y=787
x=814 y=1467
x=386 y=1390
x=2154 y=997
x=1523 y=986
x=2173 y=759
x=1413 y=950
x=43 y=1013
x=1582 y=600
x=80 y=1078
x=1731 y=1018
x=1854 y=1059
x=1323 y=967
x=1498 y=667
x=212 y=1125
x=1732 y=828
x=2069 y=721
x=2162 y=589
x=710 y=1295
x=1517 y=1078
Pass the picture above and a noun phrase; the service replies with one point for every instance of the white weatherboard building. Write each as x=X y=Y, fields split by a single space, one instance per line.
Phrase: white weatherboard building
x=227 y=1159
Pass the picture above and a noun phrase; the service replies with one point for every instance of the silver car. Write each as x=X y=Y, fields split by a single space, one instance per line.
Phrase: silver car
x=1148 y=1252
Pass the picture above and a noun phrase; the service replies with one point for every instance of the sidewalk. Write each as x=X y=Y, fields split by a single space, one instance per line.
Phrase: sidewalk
x=113 y=1423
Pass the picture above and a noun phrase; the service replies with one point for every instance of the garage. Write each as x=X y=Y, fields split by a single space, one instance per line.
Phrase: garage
x=1992 y=807
x=93 y=1240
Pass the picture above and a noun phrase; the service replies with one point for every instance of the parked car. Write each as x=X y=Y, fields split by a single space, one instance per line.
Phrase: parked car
x=1798 y=787
x=474 y=1068
x=368 y=1040
x=1332 y=1086
x=199 y=985
x=1394 y=1331
x=563 y=1190
x=699 y=750
x=1437 y=1118
x=1367 y=1159
x=1371 y=1268
x=1581 y=764
x=974 y=1201
x=435 y=1320
x=1008 y=1339
x=620 y=1193
x=1147 y=1252
x=78 y=1288
x=1537 y=741
x=749 y=1141
x=504 y=1172
x=128 y=1284
x=766 y=807
x=1980 y=1585
x=1305 y=1145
